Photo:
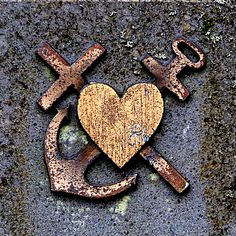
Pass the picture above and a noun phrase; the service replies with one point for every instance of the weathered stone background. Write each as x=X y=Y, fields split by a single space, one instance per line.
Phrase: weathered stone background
x=197 y=136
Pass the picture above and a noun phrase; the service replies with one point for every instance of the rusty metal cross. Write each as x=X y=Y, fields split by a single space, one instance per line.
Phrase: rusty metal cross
x=69 y=75
x=68 y=175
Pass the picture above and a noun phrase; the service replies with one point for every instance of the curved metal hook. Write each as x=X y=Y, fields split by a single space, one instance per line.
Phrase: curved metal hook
x=68 y=175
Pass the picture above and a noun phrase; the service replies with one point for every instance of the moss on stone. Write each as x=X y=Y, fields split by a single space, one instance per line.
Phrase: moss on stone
x=208 y=23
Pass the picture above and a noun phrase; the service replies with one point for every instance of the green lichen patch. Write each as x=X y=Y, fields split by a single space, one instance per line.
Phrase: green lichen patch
x=207 y=24
x=72 y=139
x=121 y=206
x=154 y=177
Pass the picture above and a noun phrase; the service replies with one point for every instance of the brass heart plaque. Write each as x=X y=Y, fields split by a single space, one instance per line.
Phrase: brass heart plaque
x=120 y=126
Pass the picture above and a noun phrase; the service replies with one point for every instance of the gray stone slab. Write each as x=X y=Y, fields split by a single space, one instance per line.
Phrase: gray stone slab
x=196 y=136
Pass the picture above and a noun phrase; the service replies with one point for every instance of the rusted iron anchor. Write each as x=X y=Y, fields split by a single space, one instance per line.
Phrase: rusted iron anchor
x=68 y=173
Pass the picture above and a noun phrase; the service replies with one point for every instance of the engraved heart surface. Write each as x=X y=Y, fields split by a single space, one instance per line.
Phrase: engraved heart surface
x=120 y=126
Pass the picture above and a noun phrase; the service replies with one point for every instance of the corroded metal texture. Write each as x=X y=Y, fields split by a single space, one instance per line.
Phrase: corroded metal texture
x=166 y=77
x=69 y=75
x=164 y=169
x=68 y=175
